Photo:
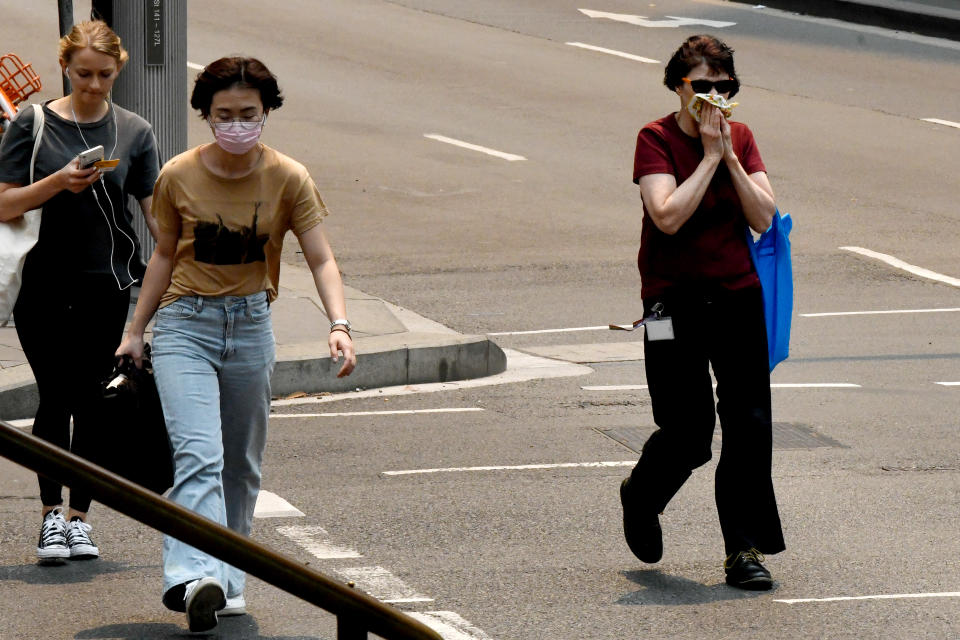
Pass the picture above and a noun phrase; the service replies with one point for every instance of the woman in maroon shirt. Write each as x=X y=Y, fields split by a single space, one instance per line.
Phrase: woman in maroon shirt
x=702 y=184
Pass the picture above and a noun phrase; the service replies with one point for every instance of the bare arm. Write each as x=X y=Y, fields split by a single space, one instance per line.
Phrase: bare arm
x=145 y=204
x=16 y=199
x=326 y=275
x=155 y=283
x=755 y=191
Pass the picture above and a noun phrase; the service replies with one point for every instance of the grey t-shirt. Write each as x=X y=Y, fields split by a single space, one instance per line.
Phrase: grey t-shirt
x=90 y=232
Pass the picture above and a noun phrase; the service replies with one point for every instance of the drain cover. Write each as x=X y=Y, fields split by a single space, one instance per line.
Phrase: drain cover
x=786 y=435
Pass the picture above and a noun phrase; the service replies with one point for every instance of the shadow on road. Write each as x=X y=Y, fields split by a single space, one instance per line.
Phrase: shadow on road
x=659 y=588
x=69 y=573
x=234 y=628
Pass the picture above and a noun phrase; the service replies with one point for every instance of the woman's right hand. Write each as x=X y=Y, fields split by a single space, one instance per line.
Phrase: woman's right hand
x=73 y=178
x=132 y=346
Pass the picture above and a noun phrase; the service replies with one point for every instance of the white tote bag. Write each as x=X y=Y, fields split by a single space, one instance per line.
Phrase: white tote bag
x=18 y=236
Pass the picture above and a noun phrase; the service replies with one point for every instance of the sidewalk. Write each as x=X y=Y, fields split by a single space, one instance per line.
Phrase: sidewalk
x=395 y=346
x=934 y=18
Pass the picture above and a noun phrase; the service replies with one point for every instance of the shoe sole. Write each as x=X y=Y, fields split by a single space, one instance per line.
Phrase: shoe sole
x=51 y=557
x=205 y=600
x=84 y=552
x=754 y=584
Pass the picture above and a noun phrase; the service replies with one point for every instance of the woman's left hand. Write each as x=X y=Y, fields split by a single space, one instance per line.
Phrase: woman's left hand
x=341 y=342
x=728 y=153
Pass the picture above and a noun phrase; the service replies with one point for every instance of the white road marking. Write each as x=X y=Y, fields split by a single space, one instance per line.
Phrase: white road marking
x=521 y=367
x=25 y=423
x=868 y=313
x=893 y=596
x=375 y=413
x=534 y=331
x=381 y=584
x=316 y=541
x=449 y=625
x=642 y=21
x=900 y=264
x=194 y=65
x=520 y=467
x=510 y=157
x=947 y=123
x=775 y=385
x=614 y=52
x=949 y=384
x=270 y=505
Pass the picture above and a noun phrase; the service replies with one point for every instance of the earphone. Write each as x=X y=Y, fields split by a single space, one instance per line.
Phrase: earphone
x=113 y=214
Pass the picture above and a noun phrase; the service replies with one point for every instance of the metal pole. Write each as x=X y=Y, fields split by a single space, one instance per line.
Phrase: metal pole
x=154 y=82
x=166 y=516
x=65 y=9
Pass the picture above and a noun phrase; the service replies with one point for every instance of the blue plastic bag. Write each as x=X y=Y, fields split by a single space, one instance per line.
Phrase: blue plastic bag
x=771 y=259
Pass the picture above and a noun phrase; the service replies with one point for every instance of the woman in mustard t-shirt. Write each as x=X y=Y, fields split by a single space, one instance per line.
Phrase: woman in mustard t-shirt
x=222 y=210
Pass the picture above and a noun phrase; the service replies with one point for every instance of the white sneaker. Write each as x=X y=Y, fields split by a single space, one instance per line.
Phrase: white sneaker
x=52 y=547
x=202 y=599
x=236 y=606
x=78 y=539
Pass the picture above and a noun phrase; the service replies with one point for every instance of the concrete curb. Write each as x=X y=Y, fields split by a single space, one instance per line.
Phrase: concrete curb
x=913 y=17
x=419 y=358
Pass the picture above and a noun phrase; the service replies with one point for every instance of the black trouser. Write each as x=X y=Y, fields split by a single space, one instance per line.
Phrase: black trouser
x=69 y=331
x=724 y=329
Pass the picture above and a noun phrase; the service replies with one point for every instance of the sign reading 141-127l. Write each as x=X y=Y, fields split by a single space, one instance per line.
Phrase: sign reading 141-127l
x=154 y=26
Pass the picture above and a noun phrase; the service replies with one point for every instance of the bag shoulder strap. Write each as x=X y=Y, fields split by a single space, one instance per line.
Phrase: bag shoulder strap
x=37 y=136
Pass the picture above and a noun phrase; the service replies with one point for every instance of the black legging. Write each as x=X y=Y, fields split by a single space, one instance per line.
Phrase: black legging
x=69 y=329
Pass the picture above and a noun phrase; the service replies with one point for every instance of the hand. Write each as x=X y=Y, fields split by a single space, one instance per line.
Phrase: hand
x=75 y=179
x=711 y=131
x=132 y=346
x=728 y=153
x=341 y=342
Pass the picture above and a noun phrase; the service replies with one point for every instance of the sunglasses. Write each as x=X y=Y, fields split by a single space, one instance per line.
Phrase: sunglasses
x=704 y=86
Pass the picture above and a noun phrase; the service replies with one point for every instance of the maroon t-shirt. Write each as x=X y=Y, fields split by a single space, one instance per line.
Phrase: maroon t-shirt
x=710 y=249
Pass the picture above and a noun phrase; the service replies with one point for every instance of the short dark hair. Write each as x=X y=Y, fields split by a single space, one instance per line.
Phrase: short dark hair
x=234 y=71
x=694 y=51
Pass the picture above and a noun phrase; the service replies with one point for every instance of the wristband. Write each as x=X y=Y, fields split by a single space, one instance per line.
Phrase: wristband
x=340 y=322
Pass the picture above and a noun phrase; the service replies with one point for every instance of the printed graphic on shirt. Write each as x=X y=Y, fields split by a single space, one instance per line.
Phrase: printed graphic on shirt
x=215 y=243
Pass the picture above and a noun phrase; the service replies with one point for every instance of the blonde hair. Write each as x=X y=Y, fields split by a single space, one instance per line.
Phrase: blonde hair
x=96 y=35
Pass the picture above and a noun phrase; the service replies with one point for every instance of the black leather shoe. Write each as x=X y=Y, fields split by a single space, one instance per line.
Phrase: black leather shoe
x=641 y=530
x=744 y=571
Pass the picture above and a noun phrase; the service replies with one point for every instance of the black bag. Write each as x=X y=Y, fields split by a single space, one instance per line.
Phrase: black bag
x=134 y=442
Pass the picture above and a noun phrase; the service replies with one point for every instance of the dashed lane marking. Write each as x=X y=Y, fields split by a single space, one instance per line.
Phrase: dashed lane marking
x=316 y=541
x=270 y=505
x=519 y=467
x=949 y=384
x=449 y=625
x=892 y=596
x=777 y=385
x=509 y=157
x=885 y=312
x=398 y=412
x=614 y=52
x=381 y=584
x=194 y=65
x=905 y=266
x=947 y=123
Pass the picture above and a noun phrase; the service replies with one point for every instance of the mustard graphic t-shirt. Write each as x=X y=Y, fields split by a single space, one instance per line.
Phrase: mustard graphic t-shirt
x=231 y=229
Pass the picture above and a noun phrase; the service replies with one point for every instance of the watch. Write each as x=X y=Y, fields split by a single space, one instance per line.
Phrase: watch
x=340 y=322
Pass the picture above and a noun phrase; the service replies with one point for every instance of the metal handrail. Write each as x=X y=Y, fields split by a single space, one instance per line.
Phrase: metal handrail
x=357 y=613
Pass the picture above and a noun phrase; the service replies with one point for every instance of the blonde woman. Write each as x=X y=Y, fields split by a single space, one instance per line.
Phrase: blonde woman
x=75 y=294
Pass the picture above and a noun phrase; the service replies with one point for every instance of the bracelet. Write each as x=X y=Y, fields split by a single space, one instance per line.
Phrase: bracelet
x=340 y=322
x=342 y=328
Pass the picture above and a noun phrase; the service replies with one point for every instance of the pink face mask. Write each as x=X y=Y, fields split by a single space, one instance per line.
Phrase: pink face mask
x=238 y=137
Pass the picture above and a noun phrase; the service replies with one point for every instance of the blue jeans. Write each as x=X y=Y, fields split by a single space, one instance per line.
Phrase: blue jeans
x=212 y=359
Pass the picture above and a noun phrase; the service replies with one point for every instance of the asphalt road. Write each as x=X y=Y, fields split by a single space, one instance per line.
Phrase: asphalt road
x=868 y=476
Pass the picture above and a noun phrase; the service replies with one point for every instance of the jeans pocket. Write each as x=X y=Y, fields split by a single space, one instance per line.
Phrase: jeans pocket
x=179 y=309
x=258 y=312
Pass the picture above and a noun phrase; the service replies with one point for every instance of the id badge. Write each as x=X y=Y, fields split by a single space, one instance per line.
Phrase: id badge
x=661 y=329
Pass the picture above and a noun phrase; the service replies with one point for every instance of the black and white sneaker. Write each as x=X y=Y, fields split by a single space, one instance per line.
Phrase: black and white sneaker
x=52 y=547
x=79 y=542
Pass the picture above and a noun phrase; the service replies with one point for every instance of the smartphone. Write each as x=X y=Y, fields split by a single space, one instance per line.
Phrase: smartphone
x=88 y=157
